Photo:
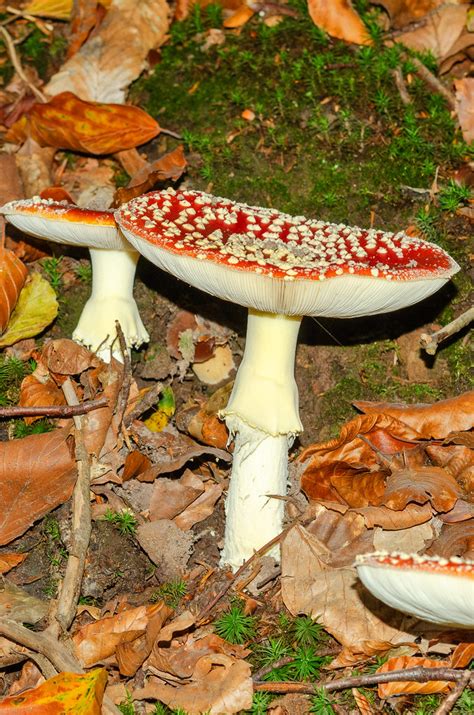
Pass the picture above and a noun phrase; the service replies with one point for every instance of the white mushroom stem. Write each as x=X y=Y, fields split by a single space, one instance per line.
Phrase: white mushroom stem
x=262 y=417
x=113 y=273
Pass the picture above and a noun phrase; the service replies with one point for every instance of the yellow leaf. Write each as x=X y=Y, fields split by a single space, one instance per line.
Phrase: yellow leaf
x=65 y=694
x=57 y=9
x=37 y=307
x=339 y=19
x=157 y=421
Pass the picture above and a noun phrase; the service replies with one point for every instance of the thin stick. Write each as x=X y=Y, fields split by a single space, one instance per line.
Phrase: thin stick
x=17 y=65
x=423 y=72
x=451 y=699
x=55 y=411
x=124 y=392
x=148 y=400
x=81 y=522
x=401 y=86
x=417 y=675
x=430 y=342
x=262 y=550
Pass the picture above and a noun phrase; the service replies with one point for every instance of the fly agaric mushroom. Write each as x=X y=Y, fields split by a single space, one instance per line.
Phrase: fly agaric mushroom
x=435 y=589
x=113 y=267
x=281 y=267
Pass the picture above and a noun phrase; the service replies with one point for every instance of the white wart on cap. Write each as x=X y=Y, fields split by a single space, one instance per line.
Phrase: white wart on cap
x=113 y=267
x=435 y=589
x=281 y=267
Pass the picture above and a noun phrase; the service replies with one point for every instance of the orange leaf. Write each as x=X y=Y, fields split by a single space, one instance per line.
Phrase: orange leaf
x=65 y=694
x=13 y=275
x=9 y=561
x=385 y=690
x=168 y=166
x=240 y=17
x=34 y=393
x=339 y=19
x=67 y=122
x=422 y=485
x=462 y=655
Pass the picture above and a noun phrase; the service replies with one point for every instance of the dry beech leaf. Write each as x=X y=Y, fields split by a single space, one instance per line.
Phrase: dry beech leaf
x=362 y=702
x=219 y=684
x=170 y=166
x=65 y=357
x=425 y=484
x=333 y=596
x=465 y=107
x=67 y=122
x=13 y=274
x=435 y=421
x=100 y=639
x=34 y=393
x=455 y=540
x=170 y=496
x=115 y=55
x=462 y=655
x=65 y=694
x=390 y=519
x=360 y=488
x=18 y=605
x=438 y=32
x=135 y=464
x=30 y=677
x=404 y=12
x=56 y=9
x=385 y=690
x=86 y=16
x=339 y=19
x=201 y=508
x=37 y=307
x=239 y=18
x=10 y=560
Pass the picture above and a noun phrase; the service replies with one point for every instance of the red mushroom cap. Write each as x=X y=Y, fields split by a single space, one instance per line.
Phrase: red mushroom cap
x=250 y=248
x=435 y=589
x=62 y=222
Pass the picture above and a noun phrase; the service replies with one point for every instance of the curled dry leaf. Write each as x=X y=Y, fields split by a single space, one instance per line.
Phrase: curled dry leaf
x=385 y=690
x=465 y=106
x=404 y=12
x=34 y=393
x=339 y=19
x=462 y=655
x=102 y=639
x=438 y=32
x=455 y=540
x=170 y=166
x=56 y=9
x=390 y=519
x=37 y=307
x=67 y=122
x=65 y=357
x=115 y=55
x=65 y=694
x=436 y=421
x=425 y=484
x=10 y=560
x=13 y=274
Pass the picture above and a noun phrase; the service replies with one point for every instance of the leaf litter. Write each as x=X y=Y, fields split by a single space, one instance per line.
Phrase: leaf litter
x=398 y=477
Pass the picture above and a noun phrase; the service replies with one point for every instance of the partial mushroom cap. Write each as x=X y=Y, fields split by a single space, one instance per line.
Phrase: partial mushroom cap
x=267 y=260
x=432 y=588
x=65 y=223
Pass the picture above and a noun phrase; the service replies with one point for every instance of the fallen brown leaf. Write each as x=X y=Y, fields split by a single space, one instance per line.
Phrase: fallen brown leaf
x=13 y=274
x=425 y=484
x=411 y=515
x=34 y=393
x=465 y=106
x=438 y=32
x=18 y=605
x=462 y=655
x=436 y=421
x=404 y=12
x=65 y=357
x=10 y=560
x=455 y=540
x=339 y=19
x=170 y=166
x=67 y=122
x=385 y=690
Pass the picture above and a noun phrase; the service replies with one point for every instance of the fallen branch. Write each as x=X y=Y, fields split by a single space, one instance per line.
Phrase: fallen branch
x=124 y=392
x=430 y=342
x=433 y=82
x=451 y=699
x=417 y=675
x=401 y=86
x=81 y=523
x=54 y=411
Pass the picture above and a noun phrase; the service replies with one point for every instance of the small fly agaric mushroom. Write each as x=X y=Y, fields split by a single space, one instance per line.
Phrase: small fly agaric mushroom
x=113 y=260
x=281 y=267
x=432 y=588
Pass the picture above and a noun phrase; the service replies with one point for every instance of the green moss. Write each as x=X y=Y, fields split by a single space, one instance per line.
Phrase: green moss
x=331 y=136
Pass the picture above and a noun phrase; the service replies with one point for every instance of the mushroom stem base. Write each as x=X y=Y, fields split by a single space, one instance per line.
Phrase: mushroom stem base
x=259 y=470
x=113 y=272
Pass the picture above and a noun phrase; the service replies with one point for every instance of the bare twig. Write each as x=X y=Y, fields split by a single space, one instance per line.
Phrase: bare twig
x=81 y=522
x=17 y=65
x=122 y=398
x=148 y=400
x=262 y=672
x=430 y=342
x=45 y=643
x=433 y=82
x=401 y=86
x=451 y=699
x=55 y=411
x=417 y=675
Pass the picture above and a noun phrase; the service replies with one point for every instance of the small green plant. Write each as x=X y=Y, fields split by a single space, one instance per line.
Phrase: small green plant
x=171 y=593
x=127 y=707
x=426 y=705
x=260 y=703
x=452 y=196
x=321 y=703
x=306 y=664
x=21 y=429
x=306 y=631
x=50 y=590
x=235 y=626
x=52 y=268
x=125 y=521
x=84 y=272
x=425 y=221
